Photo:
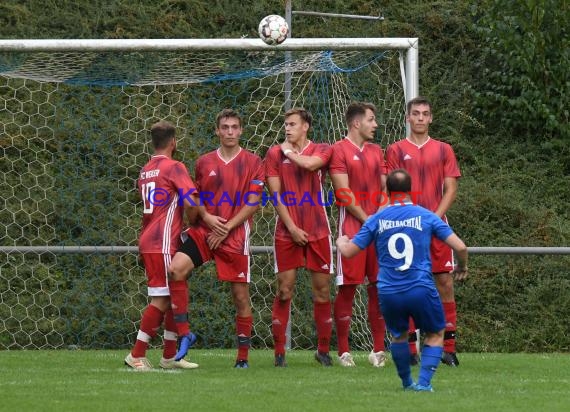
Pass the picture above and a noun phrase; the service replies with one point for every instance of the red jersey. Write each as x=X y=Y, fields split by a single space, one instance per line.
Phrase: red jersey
x=223 y=188
x=364 y=168
x=301 y=191
x=428 y=165
x=162 y=182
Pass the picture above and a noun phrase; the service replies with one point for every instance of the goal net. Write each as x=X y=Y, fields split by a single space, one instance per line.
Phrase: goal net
x=74 y=121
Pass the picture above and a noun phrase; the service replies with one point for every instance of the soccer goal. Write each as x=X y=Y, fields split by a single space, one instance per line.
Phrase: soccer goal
x=74 y=121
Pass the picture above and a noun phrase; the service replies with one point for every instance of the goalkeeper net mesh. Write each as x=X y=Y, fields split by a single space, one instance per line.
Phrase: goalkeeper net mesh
x=74 y=135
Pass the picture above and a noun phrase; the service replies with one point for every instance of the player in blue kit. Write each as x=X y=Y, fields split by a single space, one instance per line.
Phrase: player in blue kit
x=402 y=234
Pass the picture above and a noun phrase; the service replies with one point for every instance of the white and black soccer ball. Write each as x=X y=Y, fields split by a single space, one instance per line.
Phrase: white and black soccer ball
x=273 y=29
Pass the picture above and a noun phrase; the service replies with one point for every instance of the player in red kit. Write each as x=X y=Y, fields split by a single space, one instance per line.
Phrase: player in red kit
x=302 y=232
x=166 y=190
x=357 y=167
x=229 y=181
x=434 y=171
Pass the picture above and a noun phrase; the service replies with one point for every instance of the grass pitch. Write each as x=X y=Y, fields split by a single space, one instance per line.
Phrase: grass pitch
x=86 y=380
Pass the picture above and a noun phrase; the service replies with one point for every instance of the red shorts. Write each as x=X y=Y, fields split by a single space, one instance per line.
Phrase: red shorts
x=156 y=270
x=441 y=256
x=353 y=271
x=315 y=256
x=230 y=267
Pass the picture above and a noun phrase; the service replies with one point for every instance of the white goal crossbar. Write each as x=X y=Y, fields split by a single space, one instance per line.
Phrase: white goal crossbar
x=408 y=45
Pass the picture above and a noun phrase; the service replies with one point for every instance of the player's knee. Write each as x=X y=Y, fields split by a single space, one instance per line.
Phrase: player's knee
x=243 y=308
x=178 y=270
x=444 y=283
x=434 y=338
x=162 y=303
x=241 y=299
x=321 y=295
x=285 y=292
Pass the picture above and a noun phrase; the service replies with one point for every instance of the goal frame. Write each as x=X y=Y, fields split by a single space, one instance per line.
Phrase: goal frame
x=409 y=71
x=409 y=45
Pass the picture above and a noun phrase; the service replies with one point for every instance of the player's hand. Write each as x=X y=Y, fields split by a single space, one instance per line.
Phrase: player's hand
x=342 y=240
x=299 y=236
x=214 y=240
x=286 y=146
x=216 y=224
x=460 y=273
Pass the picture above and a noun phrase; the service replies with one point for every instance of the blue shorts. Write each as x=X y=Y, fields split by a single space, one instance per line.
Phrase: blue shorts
x=421 y=303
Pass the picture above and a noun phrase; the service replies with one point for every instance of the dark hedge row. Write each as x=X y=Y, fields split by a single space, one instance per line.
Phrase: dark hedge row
x=497 y=74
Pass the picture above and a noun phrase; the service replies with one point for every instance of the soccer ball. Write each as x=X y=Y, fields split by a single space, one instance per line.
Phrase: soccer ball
x=273 y=29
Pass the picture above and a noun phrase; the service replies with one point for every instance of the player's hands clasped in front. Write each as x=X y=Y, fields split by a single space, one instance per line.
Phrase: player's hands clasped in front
x=216 y=224
x=459 y=273
x=299 y=236
x=214 y=240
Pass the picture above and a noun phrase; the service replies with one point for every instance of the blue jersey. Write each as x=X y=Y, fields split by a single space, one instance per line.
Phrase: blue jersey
x=402 y=234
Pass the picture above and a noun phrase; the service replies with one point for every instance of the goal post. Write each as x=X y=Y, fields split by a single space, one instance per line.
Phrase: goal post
x=74 y=121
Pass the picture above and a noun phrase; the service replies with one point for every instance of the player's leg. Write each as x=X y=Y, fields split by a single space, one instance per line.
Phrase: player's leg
x=429 y=316
x=287 y=258
x=350 y=273
x=375 y=318
x=413 y=343
x=320 y=264
x=320 y=283
x=234 y=268
x=396 y=314
x=444 y=283
x=280 y=313
x=152 y=317
x=168 y=360
x=193 y=253
x=442 y=258
x=170 y=335
x=343 y=318
x=244 y=322
x=150 y=323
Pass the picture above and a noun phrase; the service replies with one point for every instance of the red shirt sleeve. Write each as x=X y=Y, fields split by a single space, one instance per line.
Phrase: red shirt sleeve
x=392 y=158
x=451 y=167
x=258 y=181
x=337 y=165
x=272 y=159
x=324 y=151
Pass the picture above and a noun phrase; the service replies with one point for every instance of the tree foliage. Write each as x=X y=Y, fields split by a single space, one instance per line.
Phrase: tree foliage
x=497 y=74
x=523 y=82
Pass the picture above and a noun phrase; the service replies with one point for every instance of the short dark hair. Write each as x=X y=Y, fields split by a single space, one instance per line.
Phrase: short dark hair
x=417 y=100
x=227 y=113
x=398 y=181
x=303 y=113
x=357 y=109
x=161 y=133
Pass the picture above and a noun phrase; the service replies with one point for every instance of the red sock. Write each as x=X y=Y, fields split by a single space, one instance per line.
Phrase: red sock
x=179 y=302
x=279 y=319
x=150 y=322
x=243 y=328
x=450 y=310
x=323 y=321
x=413 y=338
x=343 y=315
x=375 y=319
x=170 y=335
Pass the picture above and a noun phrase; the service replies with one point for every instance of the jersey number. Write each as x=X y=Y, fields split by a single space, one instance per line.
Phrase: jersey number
x=407 y=253
x=147 y=190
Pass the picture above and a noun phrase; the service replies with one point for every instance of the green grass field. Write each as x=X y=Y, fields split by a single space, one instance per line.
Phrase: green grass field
x=97 y=381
